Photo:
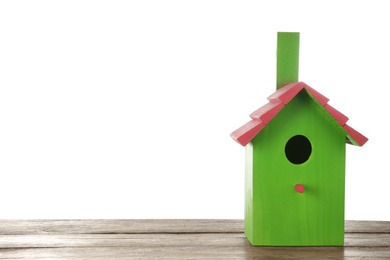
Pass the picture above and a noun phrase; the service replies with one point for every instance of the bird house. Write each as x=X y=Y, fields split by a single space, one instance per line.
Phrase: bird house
x=295 y=149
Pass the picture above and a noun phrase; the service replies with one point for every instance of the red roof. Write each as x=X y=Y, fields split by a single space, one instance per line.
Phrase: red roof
x=262 y=116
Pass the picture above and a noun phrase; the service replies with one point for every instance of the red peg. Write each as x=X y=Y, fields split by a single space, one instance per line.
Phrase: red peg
x=299 y=188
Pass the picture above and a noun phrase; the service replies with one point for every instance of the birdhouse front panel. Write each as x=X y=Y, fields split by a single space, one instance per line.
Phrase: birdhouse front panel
x=295 y=177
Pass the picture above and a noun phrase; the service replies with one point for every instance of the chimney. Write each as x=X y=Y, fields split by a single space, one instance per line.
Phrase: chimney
x=287 y=61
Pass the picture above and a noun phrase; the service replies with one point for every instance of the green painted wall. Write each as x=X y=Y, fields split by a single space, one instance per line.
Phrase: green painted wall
x=275 y=213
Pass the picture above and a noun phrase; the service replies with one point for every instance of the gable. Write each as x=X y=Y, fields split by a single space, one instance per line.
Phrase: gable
x=300 y=117
x=278 y=100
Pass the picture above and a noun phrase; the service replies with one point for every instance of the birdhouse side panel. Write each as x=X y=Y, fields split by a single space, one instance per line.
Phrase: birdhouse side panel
x=248 y=225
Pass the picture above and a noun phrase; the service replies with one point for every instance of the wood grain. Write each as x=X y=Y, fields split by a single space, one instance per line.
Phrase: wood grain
x=172 y=239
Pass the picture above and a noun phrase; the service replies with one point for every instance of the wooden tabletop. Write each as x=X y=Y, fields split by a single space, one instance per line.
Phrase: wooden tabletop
x=172 y=239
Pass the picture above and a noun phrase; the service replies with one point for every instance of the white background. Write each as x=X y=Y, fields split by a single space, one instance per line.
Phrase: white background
x=123 y=109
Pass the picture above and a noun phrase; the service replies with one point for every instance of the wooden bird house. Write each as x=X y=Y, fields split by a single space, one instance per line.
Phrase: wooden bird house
x=295 y=149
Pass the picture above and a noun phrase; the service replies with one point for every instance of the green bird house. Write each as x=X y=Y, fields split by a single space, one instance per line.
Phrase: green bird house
x=295 y=161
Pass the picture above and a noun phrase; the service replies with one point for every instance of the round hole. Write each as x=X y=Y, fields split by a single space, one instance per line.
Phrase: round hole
x=298 y=149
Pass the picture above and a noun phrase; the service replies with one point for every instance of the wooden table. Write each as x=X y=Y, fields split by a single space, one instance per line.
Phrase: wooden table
x=172 y=239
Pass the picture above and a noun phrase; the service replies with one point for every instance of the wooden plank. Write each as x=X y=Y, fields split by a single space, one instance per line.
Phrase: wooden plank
x=357 y=138
x=267 y=112
x=194 y=252
x=247 y=132
x=139 y=226
x=109 y=226
x=366 y=226
x=162 y=240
